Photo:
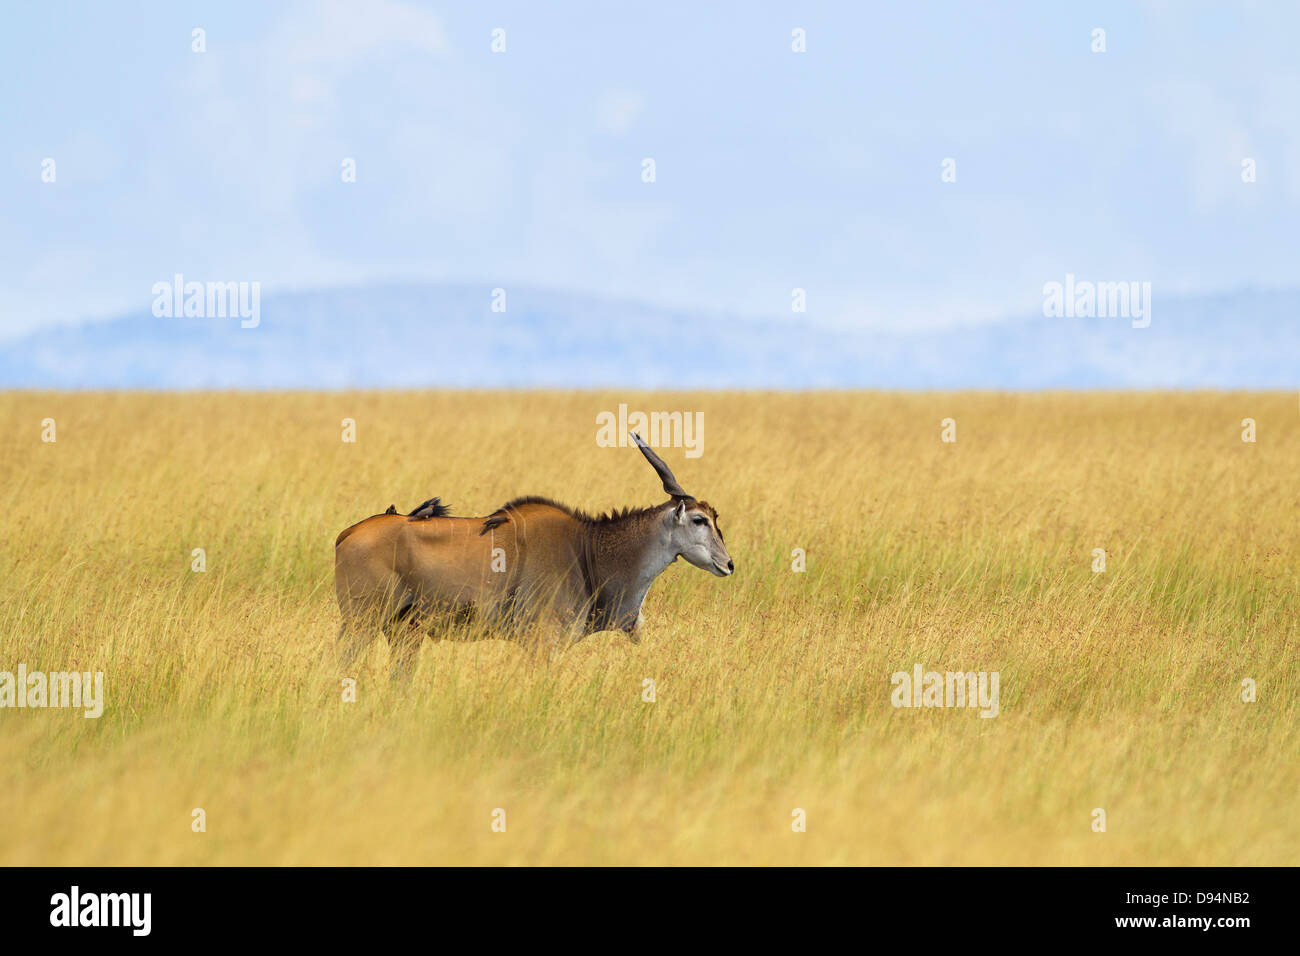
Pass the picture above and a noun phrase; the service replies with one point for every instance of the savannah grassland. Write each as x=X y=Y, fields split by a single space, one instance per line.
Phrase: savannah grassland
x=1119 y=690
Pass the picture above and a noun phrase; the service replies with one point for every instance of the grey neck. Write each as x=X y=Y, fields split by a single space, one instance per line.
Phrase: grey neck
x=625 y=560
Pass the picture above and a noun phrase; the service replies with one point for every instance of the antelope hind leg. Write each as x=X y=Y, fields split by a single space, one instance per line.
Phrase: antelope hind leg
x=353 y=640
x=405 y=635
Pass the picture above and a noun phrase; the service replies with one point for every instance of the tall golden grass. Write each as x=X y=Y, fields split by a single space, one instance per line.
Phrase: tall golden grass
x=1119 y=690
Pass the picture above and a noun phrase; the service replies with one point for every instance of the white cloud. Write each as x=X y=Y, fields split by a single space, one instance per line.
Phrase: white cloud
x=1216 y=134
x=618 y=109
x=338 y=32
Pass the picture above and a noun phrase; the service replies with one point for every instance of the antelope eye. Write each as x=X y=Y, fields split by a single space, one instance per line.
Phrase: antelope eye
x=699 y=520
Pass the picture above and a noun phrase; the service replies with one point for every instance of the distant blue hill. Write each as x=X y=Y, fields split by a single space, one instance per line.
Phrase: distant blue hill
x=446 y=336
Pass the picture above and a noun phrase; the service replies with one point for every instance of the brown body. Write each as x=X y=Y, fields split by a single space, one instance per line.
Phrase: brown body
x=391 y=567
x=533 y=567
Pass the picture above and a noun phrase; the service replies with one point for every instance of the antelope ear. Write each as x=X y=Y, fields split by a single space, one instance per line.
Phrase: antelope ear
x=679 y=512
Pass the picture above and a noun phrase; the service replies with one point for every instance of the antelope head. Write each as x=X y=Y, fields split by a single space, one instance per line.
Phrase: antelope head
x=692 y=525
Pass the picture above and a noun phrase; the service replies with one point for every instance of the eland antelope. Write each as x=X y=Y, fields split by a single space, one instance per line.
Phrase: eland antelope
x=533 y=566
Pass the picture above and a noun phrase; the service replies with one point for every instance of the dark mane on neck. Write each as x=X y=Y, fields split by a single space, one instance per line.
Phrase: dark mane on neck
x=620 y=514
x=502 y=514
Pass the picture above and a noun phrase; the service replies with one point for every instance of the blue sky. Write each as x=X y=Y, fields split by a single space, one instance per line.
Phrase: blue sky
x=774 y=169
